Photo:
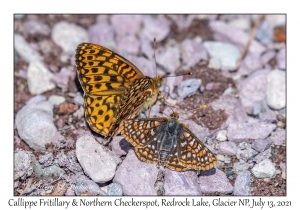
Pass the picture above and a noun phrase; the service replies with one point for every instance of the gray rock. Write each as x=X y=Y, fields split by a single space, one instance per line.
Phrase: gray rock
x=227 y=53
x=56 y=100
x=243 y=23
x=98 y=162
x=78 y=99
x=264 y=33
x=157 y=27
x=61 y=79
x=47 y=172
x=278 y=137
x=35 y=124
x=250 y=64
x=69 y=161
x=35 y=27
x=128 y=44
x=227 y=148
x=24 y=49
x=245 y=152
x=221 y=136
x=126 y=24
x=88 y=187
x=242 y=184
x=276 y=89
x=39 y=78
x=104 y=33
x=217 y=182
x=239 y=167
x=260 y=144
x=268 y=116
x=114 y=189
x=281 y=58
x=68 y=36
x=136 y=177
x=168 y=57
x=263 y=155
x=192 y=52
x=46 y=160
x=181 y=183
x=188 y=87
x=264 y=169
x=23 y=164
x=244 y=131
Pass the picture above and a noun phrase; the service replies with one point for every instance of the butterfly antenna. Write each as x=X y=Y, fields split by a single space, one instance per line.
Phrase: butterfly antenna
x=178 y=75
x=165 y=101
x=154 y=41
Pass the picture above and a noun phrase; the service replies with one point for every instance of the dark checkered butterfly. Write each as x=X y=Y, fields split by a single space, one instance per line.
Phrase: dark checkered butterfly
x=167 y=142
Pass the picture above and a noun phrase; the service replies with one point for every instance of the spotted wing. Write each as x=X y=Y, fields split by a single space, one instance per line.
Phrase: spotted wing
x=192 y=152
x=104 y=76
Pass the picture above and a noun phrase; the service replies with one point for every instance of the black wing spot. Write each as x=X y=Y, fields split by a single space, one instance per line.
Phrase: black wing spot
x=100 y=112
x=106 y=118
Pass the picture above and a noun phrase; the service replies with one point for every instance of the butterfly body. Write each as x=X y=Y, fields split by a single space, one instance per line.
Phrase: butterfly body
x=166 y=141
x=114 y=88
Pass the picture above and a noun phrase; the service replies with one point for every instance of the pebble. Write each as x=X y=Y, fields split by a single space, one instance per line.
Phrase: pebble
x=78 y=99
x=263 y=155
x=34 y=123
x=35 y=27
x=278 y=137
x=68 y=36
x=225 y=32
x=181 y=183
x=283 y=167
x=250 y=64
x=114 y=189
x=128 y=45
x=61 y=79
x=220 y=157
x=46 y=160
x=252 y=90
x=56 y=100
x=69 y=161
x=276 y=20
x=169 y=58
x=227 y=148
x=188 y=87
x=157 y=27
x=268 y=116
x=222 y=135
x=260 y=144
x=47 y=172
x=264 y=33
x=39 y=78
x=217 y=182
x=214 y=63
x=88 y=187
x=245 y=153
x=79 y=113
x=281 y=58
x=67 y=108
x=238 y=132
x=97 y=162
x=183 y=21
x=267 y=56
x=126 y=24
x=264 y=169
x=192 y=52
x=136 y=177
x=240 y=167
x=23 y=164
x=242 y=184
x=102 y=33
x=120 y=146
x=25 y=50
x=276 y=89
x=243 y=23
x=227 y=53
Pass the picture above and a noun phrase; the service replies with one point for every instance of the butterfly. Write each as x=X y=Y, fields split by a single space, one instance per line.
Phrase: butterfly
x=167 y=142
x=114 y=88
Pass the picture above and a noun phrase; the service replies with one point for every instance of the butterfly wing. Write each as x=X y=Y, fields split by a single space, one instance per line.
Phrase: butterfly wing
x=104 y=76
x=192 y=152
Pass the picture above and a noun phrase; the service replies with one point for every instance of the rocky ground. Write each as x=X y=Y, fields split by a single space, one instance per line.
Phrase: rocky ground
x=243 y=123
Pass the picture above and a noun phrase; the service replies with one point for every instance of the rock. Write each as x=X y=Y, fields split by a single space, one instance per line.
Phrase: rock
x=68 y=36
x=281 y=58
x=128 y=44
x=35 y=27
x=120 y=145
x=24 y=49
x=69 y=161
x=264 y=33
x=260 y=144
x=145 y=65
x=103 y=33
x=181 y=183
x=188 y=87
x=244 y=131
x=264 y=169
x=169 y=58
x=242 y=185
x=114 y=189
x=61 y=79
x=78 y=99
x=56 y=100
x=88 y=187
x=227 y=148
x=97 y=162
x=276 y=89
x=217 y=182
x=183 y=21
x=47 y=172
x=46 y=160
x=278 y=137
x=79 y=113
x=126 y=24
x=250 y=64
x=35 y=124
x=263 y=155
x=243 y=23
x=67 y=108
x=268 y=116
x=221 y=136
x=39 y=78
x=220 y=158
x=23 y=164
x=267 y=56
x=276 y=20
x=157 y=27
x=136 y=177
x=245 y=152
x=240 y=167
x=192 y=52
x=227 y=53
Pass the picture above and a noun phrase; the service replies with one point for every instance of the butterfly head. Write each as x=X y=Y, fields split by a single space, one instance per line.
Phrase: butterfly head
x=174 y=115
x=158 y=80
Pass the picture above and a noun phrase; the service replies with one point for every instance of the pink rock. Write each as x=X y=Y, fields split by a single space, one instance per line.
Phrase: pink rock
x=102 y=33
x=169 y=58
x=278 y=137
x=281 y=58
x=146 y=66
x=120 y=145
x=126 y=24
x=61 y=79
x=227 y=148
x=250 y=64
x=181 y=183
x=136 y=177
x=128 y=44
x=155 y=27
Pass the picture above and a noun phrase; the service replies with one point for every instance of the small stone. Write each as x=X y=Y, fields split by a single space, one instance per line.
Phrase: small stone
x=221 y=158
x=227 y=148
x=221 y=136
x=243 y=23
x=23 y=164
x=217 y=182
x=181 y=183
x=61 y=79
x=227 y=53
x=268 y=116
x=24 y=49
x=47 y=172
x=239 y=167
x=114 y=189
x=103 y=33
x=188 y=87
x=264 y=33
x=128 y=44
x=67 y=108
x=250 y=64
x=283 y=175
x=278 y=137
x=242 y=184
x=283 y=167
x=39 y=78
x=68 y=36
x=157 y=27
x=263 y=155
x=88 y=187
x=136 y=177
x=260 y=144
x=126 y=24
x=79 y=113
x=276 y=89
x=227 y=159
x=245 y=152
x=267 y=56
x=264 y=169
x=35 y=27
x=169 y=58
x=56 y=100
x=46 y=160
x=281 y=58
x=244 y=131
x=98 y=162
x=78 y=99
